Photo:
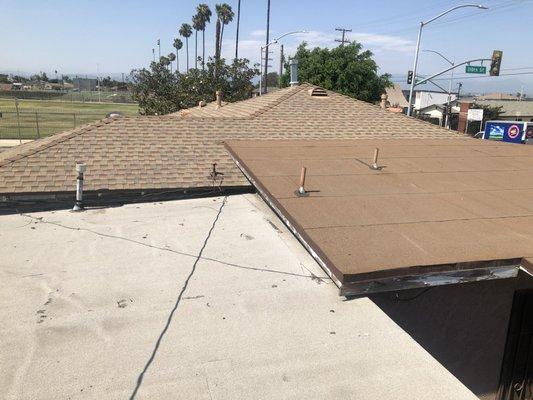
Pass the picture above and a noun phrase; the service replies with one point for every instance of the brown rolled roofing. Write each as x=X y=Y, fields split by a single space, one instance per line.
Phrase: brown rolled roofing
x=432 y=204
x=177 y=151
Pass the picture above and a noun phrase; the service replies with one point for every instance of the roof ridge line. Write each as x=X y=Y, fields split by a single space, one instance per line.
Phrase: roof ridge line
x=54 y=140
x=277 y=102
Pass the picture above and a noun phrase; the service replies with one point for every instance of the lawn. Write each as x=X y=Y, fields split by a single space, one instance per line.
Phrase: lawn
x=40 y=118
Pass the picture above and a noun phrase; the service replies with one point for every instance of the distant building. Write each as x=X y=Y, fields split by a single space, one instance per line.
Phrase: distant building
x=85 y=83
x=6 y=86
x=395 y=97
x=426 y=98
x=512 y=110
x=497 y=96
x=437 y=112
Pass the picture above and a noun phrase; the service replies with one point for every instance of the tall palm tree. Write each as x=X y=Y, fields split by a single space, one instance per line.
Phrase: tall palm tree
x=186 y=32
x=171 y=57
x=204 y=12
x=225 y=15
x=178 y=44
x=197 y=25
x=237 y=34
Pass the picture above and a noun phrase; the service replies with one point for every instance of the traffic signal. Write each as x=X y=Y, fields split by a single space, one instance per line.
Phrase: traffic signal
x=495 y=63
x=410 y=77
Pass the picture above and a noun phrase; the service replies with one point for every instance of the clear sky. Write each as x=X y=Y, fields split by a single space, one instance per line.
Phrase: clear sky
x=75 y=37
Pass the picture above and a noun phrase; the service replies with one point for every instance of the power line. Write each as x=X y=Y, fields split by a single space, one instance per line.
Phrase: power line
x=472 y=77
x=343 y=40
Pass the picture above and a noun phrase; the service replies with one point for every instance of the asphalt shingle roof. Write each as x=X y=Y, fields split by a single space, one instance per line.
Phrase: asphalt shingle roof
x=177 y=151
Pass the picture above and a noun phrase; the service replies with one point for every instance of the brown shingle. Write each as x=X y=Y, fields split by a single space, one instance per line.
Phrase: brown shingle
x=177 y=151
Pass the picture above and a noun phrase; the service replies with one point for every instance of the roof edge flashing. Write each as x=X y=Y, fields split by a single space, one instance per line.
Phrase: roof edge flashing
x=491 y=272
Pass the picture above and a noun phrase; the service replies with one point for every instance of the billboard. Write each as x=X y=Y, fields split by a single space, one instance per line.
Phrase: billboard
x=506 y=131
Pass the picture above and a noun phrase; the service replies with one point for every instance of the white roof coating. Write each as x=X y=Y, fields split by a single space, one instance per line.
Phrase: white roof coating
x=115 y=303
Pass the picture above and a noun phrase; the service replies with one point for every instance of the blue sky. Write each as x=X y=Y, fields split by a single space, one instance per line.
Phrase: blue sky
x=117 y=35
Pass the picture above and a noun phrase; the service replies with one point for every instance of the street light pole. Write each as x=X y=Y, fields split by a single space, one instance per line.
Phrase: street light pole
x=417 y=50
x=448 y=107
x=265 y=47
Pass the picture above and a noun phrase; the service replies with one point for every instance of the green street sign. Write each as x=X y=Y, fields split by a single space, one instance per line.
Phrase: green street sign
x=476 y=69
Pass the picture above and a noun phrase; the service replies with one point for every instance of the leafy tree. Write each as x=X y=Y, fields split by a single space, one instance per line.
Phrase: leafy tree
x=66 y=79
x=159 y=91
x=171 y=58
x=204 y=13
x=4 y=78
x=178 y=44
x=346 y=69
x=155 y=89
x=272 y=79
x=186 y=32
x=19 y=79
x=40 y=77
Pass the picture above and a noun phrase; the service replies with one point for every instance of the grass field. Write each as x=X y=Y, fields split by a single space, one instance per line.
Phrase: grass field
x=39 y=118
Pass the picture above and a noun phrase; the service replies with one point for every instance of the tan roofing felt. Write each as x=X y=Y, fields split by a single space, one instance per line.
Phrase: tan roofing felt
x=433 y=203
x=177 y=151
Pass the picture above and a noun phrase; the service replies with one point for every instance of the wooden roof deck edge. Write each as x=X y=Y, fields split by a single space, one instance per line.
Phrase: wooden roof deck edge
x=391 y=279
x=292 y=225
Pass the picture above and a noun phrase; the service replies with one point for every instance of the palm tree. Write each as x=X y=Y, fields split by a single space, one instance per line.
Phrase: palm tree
x=171 y=57
x=225 y=16
x=186 y=32
x=178 y=44
x=197 y=25
x=204 y=12
x=237 y=34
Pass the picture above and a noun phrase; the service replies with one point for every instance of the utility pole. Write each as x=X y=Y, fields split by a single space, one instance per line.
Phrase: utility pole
x=281 y=62
x=265 y=71
x=153 y=54
x=159 y=47
x=343 y=40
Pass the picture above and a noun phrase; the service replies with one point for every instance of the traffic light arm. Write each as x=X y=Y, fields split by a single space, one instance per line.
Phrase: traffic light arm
x=448 y=69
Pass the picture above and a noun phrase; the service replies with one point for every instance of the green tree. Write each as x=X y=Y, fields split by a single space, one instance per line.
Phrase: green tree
x=345 y=69
x=204 y=12
x=272 y=79
x=186 y=32
x=178 y=44
x=171 y=58
x=155 y=89
x=160 y=92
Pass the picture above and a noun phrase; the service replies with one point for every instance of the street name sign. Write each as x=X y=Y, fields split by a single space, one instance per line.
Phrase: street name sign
x=476 y=69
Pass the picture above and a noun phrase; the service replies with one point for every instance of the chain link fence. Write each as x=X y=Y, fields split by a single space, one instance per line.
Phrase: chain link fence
x=36 y=124
x=69 y=96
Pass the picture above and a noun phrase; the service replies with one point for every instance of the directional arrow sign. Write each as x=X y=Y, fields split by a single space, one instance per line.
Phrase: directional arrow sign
x=476 y=69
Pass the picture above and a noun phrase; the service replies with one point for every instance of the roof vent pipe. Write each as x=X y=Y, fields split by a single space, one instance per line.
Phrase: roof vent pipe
x=384 y=101
x=219 y=99
x=80 y=170
x=294 y=72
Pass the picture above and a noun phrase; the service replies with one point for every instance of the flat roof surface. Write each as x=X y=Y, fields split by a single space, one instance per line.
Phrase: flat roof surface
x=433 y=206
x=191 y=299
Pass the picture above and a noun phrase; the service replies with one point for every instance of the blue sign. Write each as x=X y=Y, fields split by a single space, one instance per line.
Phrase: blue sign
x=506 y=131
